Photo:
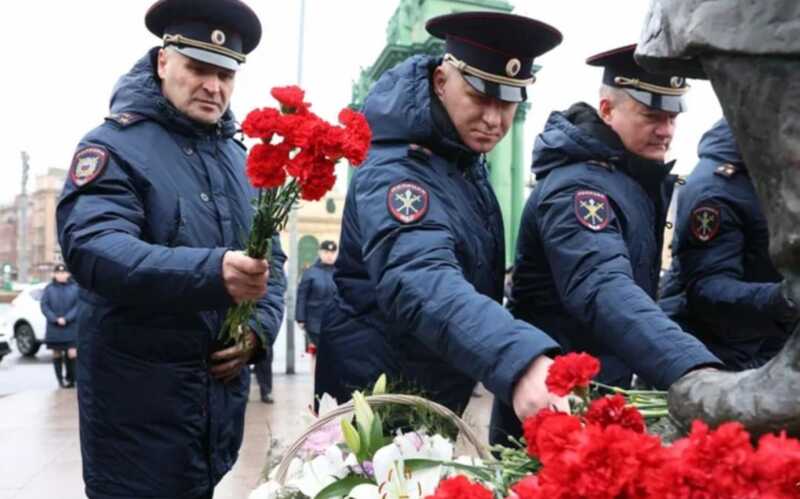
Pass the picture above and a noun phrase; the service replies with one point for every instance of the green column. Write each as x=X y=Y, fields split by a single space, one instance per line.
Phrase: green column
x=519 y=172
x=507 y=175
x=500 y=175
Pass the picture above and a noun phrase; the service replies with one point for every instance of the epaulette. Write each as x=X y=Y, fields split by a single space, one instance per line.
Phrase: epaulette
x=727 y=170
x=125 y=119
x=603 y=164
x=419 y=152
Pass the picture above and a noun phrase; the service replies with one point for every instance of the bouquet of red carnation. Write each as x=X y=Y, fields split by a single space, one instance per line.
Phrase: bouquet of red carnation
x=604 y=450
x=295 y=159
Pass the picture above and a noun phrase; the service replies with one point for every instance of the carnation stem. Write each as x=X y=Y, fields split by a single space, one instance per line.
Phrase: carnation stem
x=272 y=213
x=616 y=389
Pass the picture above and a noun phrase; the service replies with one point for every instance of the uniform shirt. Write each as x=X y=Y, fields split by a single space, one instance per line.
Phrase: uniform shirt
x=152 y=204
x=420 y=272
x=723 y=285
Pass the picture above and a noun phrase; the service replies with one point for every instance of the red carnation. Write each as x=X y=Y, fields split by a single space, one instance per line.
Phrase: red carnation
x=318 y=180
x=777 y=465
x=333 y=143
x=304 y=130
x=527 y=488
x=263 y=124
x=300 y=164
x=357 y=137
x=574 y=370
x=291 y=99
x=266 y=165
x=459 y=487
x=555 y=434
x=614 y=410
x=600 y=463
x=530 y=428
x=308 y=151
x=708 y=463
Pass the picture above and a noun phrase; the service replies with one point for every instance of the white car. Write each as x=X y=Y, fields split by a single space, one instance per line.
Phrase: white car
x=5 y=343
x=25 y=322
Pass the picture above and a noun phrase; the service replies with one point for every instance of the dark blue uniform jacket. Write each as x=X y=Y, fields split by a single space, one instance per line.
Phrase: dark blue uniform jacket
x=589 y=278
x=145 y=241
x=60 y=300
x=723 y=285
x=314 y=293
x=421 y=300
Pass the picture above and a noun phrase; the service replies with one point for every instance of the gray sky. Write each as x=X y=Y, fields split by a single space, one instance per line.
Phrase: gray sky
x=67 y=56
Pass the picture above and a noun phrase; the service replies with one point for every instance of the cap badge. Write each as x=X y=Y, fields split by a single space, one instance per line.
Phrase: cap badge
x=513 y=66
x=218 y=37
x=677 y=81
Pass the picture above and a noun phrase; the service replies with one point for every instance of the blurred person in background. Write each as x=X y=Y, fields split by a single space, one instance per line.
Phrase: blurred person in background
x=60 y=308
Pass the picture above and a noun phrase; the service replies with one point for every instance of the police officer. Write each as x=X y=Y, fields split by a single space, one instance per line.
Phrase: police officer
x=59 y=305
x=589 y=248
x=420 y=271
x=729 y=292
x=151 y=221
x=316 y=289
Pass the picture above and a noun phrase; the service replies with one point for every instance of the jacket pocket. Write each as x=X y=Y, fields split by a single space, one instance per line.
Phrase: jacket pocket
x=177 y=235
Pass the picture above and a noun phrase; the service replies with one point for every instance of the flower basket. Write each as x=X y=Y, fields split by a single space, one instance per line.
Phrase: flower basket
x=379 y=401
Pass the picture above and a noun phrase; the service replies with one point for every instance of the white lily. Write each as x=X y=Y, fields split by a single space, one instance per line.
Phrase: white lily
x=321 y=472
x=330 y=434
x=364 y=491
x=363 y=411
x=395 y=481
x=268 y=490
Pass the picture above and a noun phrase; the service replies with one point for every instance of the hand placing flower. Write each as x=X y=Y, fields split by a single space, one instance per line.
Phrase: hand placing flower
x=570 y=372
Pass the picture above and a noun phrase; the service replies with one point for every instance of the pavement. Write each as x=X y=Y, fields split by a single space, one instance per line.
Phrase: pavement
x=39 y=444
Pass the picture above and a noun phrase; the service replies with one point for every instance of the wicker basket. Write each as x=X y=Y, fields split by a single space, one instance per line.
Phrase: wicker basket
x=378 y=401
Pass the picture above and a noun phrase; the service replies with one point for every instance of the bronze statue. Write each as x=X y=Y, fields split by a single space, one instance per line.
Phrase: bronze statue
x=750 y=51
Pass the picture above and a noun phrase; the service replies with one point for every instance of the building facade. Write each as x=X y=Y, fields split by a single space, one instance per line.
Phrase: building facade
x=41 y=239
x=317 y=221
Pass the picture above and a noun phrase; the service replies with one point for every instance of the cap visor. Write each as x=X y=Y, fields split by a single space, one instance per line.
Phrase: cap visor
x=505 y=93
x=669 y=103
x=212 y=58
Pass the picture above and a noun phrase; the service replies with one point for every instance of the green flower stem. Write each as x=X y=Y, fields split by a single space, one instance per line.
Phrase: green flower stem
x=271 y=215
x=649 y=414
x=616 y=389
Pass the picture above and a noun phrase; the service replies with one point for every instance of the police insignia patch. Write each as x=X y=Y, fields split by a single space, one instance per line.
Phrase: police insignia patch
x=705 y=223
x=407 y=202
x=88 y=164
x=592 y=210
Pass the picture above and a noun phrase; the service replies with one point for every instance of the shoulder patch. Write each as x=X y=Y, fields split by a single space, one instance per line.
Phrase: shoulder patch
x=407 y=202
x=705 y=223
x=592 y=210
x=125 y=119
x=727 y=170
x=88 y=163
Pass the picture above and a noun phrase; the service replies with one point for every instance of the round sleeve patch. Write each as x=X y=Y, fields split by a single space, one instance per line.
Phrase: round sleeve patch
x=705 y=223
x=88 y=163
x=592 y=210
x=407 y=202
